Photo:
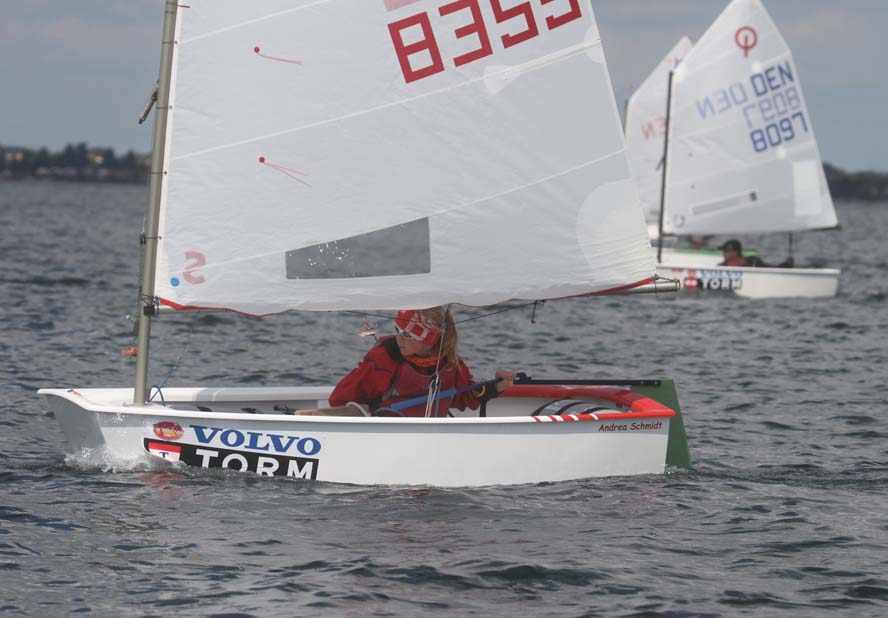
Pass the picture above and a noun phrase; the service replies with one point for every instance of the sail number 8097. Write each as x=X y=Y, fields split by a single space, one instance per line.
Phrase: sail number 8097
x=425 y=45
x=777 y=133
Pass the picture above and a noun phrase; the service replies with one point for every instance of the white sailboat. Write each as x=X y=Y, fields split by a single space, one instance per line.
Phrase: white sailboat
x=644 y=126
x=741 y=157
x=379 y=155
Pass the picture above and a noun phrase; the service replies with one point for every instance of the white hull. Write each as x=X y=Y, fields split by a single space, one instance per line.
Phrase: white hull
x=691 y=258
x=752 y=282
x=507 y=447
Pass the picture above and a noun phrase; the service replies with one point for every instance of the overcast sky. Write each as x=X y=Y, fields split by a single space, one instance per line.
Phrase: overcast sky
x=81 y=70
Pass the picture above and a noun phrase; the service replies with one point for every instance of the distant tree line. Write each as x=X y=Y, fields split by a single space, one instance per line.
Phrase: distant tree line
x=74 y=162
x=864 y=186
x=80 y=162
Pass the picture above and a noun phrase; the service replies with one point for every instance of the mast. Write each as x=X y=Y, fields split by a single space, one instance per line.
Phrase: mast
x=152 y=211
x=663 y=179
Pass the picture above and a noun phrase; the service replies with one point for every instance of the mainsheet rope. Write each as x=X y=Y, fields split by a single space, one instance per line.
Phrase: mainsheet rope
x=435 y=384
x=172 y=369
x=433 y=399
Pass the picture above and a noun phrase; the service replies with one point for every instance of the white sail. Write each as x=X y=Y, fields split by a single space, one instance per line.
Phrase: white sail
x=332 y=154
x=645 y=126
x=742 y=154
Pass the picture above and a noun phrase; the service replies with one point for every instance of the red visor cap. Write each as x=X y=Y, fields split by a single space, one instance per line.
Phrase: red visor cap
x=412 y=325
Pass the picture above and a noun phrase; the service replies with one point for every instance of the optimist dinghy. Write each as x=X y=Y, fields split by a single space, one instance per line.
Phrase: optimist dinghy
x=740 y=157
x=380 y=155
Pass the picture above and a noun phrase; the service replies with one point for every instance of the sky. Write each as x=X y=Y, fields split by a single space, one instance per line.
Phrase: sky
x=81 y=70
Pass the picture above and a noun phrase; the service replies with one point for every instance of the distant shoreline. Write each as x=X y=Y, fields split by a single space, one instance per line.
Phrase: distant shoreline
x=859 y=186
x=77 y=162
x=81 y=163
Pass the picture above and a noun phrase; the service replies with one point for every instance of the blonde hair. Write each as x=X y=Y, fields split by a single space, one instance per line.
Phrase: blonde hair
x=449 y=346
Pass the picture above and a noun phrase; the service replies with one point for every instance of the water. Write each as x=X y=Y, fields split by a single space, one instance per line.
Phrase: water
x=782 y=514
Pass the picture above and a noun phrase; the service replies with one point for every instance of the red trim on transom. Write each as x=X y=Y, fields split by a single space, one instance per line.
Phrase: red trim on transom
x=639 y=405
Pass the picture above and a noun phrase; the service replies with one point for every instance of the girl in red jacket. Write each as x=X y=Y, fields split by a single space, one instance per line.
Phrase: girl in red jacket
x=403 y=366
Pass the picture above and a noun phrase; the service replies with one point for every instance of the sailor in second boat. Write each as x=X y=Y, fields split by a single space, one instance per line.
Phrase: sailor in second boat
x=732 y=251
x=403 y=366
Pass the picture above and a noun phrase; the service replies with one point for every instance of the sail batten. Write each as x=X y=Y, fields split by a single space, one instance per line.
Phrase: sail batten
x=470 y=166
x=494 y=73
x=250 y=22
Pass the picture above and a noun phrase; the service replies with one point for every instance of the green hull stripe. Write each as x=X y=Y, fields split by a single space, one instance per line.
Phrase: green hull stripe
x=678 y=454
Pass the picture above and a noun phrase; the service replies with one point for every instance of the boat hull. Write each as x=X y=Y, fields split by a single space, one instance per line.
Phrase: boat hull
x=692 y=258
x=758 y=283
x=209 y=428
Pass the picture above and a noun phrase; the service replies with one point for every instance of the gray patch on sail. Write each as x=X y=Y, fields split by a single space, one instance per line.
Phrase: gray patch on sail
x=398 y=250
x=734 y=201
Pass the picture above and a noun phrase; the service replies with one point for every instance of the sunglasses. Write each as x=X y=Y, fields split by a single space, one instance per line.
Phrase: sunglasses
x=414 y=331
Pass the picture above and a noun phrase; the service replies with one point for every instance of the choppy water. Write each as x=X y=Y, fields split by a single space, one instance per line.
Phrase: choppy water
x=783 y=513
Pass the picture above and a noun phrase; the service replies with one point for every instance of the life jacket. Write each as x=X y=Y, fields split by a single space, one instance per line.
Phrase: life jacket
x=410 y=382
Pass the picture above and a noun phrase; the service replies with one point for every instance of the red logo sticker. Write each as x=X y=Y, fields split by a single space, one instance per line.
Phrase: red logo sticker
x=168 y=430
x=746 y=38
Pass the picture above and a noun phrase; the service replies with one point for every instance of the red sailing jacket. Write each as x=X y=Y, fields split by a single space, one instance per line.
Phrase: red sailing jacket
x=384 y=377
x=737 y=261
